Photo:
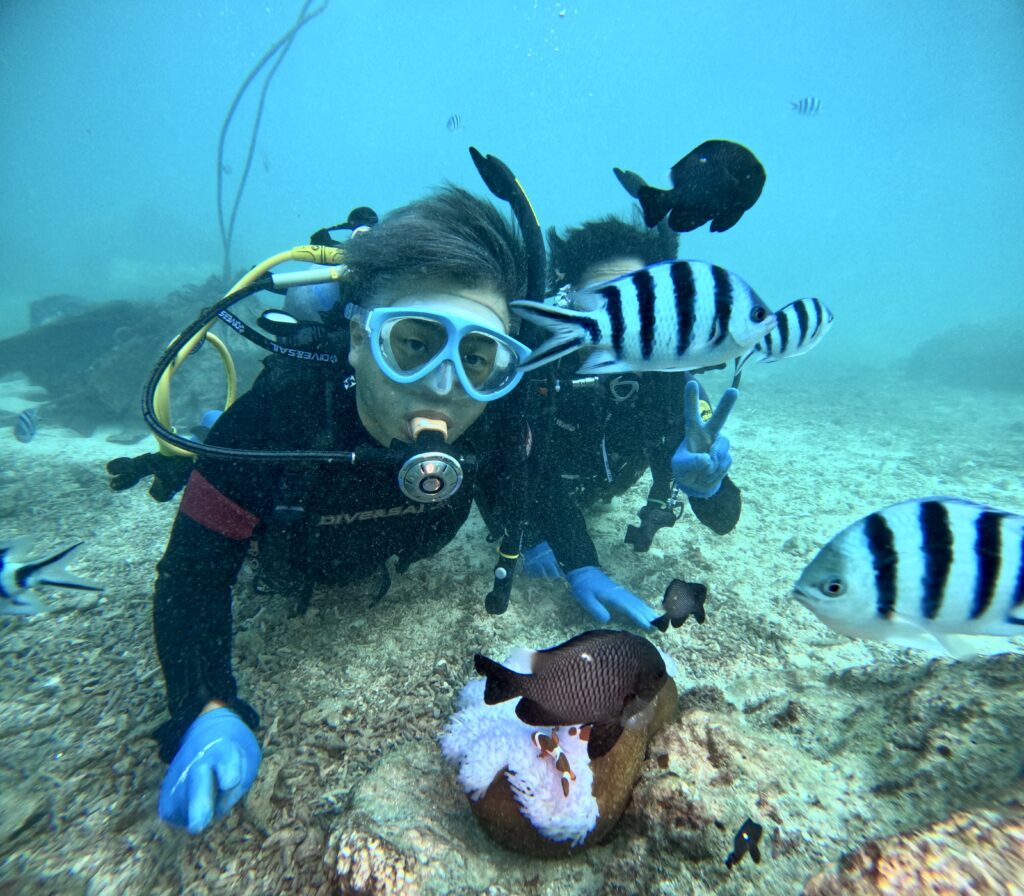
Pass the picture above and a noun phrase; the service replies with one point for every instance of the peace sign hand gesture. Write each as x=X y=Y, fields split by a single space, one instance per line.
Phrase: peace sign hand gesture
x=702 y=458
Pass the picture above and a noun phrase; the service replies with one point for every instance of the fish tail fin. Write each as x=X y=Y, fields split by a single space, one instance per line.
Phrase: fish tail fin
x=51 y=572
x=656 y=204
x=568 y=332
x=502 y=684
x=631 y=181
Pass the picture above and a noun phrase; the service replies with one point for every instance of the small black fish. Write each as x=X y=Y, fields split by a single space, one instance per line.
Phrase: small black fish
x=809 y=105
x=26 y=425
x=716 y=182
x=746 y=840
x=361 y=216
x=681 y=601
x=454 y=123
x=607 y=679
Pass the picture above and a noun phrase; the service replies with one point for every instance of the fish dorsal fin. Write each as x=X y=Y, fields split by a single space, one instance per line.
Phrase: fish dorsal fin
x=543 y=659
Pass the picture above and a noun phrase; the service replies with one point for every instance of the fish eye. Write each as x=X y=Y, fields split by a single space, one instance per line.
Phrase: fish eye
x=833 y=587
x=758 y=314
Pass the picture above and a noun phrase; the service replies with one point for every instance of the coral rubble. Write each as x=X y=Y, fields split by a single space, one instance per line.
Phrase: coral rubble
x=979 y=853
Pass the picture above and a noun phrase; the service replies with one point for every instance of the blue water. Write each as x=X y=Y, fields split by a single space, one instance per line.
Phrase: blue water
x=900 y=203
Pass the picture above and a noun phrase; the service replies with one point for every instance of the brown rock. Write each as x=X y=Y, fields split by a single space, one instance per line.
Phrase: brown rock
x=979 y=853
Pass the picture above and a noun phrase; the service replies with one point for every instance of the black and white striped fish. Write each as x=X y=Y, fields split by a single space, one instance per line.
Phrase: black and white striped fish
x=808 y=105
x=802 y=324
x=928 y=573
x=454 y=123
x=26 y=426
x=18 y=576
x=675 y=315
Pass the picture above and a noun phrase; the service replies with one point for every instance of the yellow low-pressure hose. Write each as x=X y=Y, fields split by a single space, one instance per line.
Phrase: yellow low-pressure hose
x=325 y=255
x=162 y=399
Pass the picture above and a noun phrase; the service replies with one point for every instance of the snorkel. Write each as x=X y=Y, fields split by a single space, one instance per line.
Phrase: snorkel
x=503 y=183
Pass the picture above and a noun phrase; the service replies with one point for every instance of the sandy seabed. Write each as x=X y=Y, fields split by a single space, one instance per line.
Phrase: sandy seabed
x=825 y=741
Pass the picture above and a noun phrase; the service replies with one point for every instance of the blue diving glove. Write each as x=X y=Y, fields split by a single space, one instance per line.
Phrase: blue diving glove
x=212 y=770
x=702 y=458
x=539 y=562
x=597 y=594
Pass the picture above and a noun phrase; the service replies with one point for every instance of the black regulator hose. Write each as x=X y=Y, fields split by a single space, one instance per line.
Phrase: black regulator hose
x=397 y=454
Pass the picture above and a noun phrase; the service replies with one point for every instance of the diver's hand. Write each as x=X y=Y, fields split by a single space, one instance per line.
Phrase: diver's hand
x=212 y=770
x=169 y=473
x=598 y=594
x=702 y=458
x=539 y=562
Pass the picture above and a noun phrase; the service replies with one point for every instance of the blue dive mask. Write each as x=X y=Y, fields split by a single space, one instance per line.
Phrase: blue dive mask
x=409 y=343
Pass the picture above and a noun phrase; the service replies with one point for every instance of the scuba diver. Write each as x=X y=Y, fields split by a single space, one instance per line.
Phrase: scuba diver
x=424 y=329
x=597 y=435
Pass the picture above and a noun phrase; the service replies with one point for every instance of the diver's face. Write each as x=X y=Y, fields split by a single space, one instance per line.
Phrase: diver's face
x=387 y=408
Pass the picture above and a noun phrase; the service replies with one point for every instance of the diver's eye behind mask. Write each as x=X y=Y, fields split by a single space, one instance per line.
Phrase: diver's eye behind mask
x=409 y=343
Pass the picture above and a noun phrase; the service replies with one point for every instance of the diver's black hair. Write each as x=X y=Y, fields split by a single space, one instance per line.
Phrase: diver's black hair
x=451 y=235
x=579 y=248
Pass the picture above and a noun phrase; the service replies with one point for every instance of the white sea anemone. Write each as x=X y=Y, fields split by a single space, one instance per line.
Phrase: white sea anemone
x=482 y=740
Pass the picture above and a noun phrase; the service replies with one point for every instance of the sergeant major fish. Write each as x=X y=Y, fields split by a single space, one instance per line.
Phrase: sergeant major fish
x=17 y=577
x=923 y=574
x=801 y=325
x=808 y=105
x=26 y=425
x=674 y=315
x=604 y=678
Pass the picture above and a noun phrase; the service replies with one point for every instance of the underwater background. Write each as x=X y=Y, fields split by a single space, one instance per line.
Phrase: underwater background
x=899 y=203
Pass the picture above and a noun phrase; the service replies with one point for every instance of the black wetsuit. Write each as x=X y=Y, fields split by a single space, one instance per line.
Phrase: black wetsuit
x=336 y=523
x=604 y=434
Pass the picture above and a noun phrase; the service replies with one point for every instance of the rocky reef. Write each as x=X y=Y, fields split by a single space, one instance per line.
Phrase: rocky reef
x=93 y=360
x=980 y=853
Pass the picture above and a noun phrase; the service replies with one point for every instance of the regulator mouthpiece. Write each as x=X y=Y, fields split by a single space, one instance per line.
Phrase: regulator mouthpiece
x=421 y=425
x=430 y=475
